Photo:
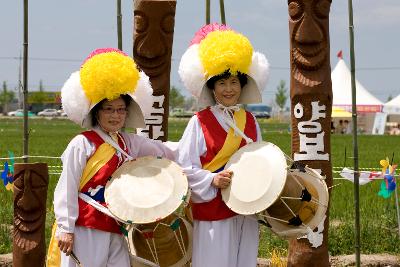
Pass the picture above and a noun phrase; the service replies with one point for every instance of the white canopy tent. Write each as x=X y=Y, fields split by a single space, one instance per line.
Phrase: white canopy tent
x=393 y=106
x=367 y=105
x=341 y=88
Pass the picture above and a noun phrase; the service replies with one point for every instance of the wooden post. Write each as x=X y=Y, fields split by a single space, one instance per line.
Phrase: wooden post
x=119 y=24
x=208 y=12
x=357 y=243
x=154 y=23
x=311 y=107
x=25 y=81
x=222 y=11
x=30 y=193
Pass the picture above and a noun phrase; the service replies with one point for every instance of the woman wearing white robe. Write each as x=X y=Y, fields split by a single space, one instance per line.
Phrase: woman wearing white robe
x=221 y=71
x=107 y=94
x=216 y=243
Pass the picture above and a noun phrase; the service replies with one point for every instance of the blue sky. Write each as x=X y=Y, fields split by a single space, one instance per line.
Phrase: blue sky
x=63 y=33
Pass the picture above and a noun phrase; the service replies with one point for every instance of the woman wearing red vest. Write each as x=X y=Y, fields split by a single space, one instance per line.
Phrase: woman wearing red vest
x=107 y=94
x=221 y=70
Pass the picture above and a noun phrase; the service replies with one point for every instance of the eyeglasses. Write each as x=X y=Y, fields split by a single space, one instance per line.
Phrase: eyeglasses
x=110 y=110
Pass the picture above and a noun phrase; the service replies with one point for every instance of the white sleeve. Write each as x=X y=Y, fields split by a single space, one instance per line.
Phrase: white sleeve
x=140 y=146
x=65 y=201
x=191 y=147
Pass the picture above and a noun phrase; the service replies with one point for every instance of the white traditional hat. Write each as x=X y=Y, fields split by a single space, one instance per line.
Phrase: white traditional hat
x=107 y=73
x=259 y=174
x=216 y=49
x=146 y=189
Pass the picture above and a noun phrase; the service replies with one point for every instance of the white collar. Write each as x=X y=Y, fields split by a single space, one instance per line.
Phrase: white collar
x=228 y=117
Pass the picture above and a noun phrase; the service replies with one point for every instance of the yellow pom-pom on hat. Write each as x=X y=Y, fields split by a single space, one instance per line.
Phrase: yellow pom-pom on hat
x=108 y=73
x=216 y=49
x=225 y=50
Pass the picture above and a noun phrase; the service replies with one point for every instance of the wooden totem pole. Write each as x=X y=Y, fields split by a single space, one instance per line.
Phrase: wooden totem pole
x=30 y=194
x=311 y=106
x=154 y=22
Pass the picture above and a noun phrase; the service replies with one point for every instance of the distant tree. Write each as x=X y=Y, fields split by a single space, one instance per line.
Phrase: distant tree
x=176 y=99
x=41 y=87
x=6 y=97
x=38 y=97
x=281 y=96
x=191 y=103
x=389 y=98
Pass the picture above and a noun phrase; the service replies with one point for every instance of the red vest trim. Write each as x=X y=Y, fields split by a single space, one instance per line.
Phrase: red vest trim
x=88 y=216
x=215 y=136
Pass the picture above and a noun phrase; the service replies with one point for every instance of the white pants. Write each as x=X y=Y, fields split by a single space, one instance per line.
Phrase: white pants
x=231 y=242
x=96 y=248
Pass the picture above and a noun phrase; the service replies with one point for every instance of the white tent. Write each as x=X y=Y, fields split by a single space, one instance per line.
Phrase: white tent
x=341 y=88
x=393 y=106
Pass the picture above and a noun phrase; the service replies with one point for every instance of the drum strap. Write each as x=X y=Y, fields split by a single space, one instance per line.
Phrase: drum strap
x=100 y=207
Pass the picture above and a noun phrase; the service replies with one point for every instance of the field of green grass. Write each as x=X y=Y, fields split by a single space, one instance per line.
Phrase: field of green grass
x=379 y=234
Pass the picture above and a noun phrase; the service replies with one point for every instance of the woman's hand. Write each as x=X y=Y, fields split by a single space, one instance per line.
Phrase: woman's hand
x=222 y=179
x=66 y=242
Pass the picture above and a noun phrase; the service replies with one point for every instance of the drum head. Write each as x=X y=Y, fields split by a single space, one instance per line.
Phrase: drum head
x=146 y=189
x=259 y=175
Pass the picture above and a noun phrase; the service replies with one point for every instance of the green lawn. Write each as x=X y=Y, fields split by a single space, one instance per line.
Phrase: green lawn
x=49 y=137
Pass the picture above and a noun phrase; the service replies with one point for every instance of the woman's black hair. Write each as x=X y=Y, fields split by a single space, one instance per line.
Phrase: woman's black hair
x=211 y=82
x=95 y=110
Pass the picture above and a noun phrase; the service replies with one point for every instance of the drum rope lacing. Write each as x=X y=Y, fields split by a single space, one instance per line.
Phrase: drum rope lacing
x=146 y=234
x=306 y=196
x=174 y=226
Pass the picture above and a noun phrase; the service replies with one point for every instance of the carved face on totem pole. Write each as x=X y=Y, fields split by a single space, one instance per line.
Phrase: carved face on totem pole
x=310 y=88
x=152 y=49
x=309 y=35
x=30 y=194
x=311 y=102
x=154 y=28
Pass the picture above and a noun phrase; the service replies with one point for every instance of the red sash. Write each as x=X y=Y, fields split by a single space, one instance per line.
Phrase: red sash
x=88 y=216
x=215 y=136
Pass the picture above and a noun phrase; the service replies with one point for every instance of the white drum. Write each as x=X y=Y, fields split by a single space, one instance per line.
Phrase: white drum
x=146 y=190
x=259 y=174
x=289 y=197
x=147 y=194
x=302 y=204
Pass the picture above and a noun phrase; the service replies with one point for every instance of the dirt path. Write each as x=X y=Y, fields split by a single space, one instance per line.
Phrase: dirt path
x=381 y=260
x=367 y=260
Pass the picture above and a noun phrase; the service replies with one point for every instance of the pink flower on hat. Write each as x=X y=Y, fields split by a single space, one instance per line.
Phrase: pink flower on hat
x=202 y=33
x=101 y=51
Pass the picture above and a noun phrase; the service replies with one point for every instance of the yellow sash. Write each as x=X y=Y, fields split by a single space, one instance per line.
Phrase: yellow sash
x=102 y=155
x=231 y=144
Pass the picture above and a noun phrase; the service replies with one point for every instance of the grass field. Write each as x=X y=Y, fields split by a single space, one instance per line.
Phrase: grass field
x=49 y=137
